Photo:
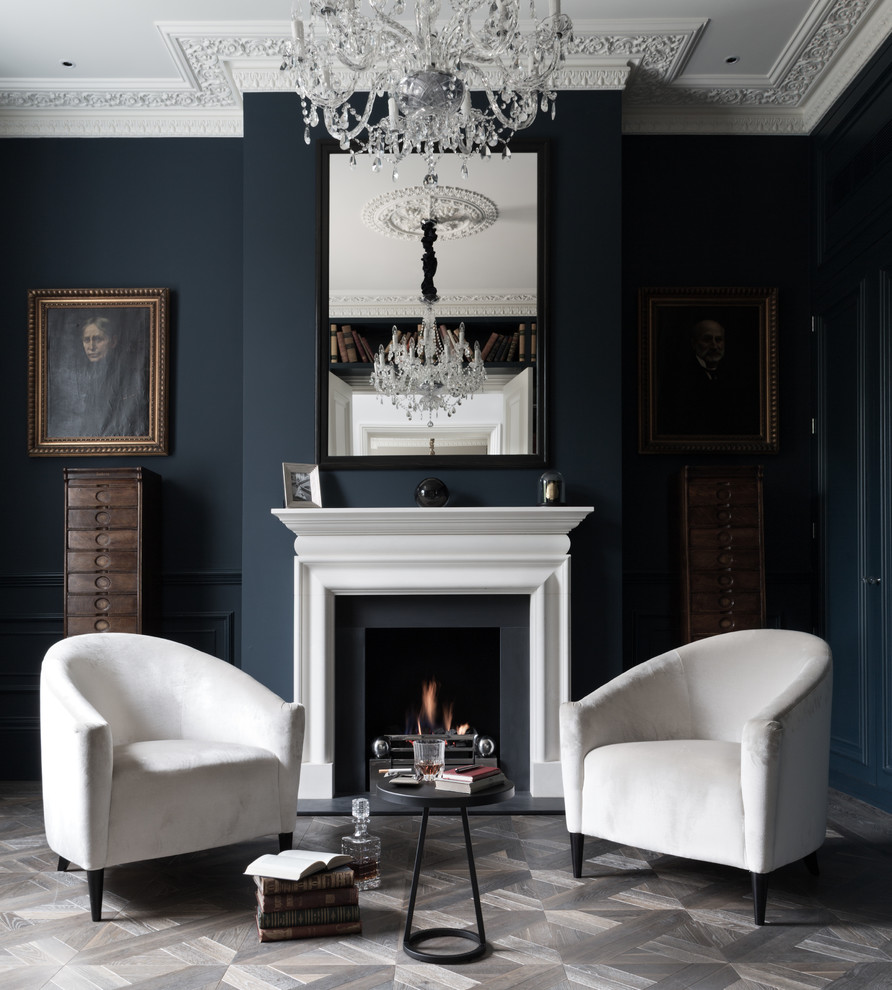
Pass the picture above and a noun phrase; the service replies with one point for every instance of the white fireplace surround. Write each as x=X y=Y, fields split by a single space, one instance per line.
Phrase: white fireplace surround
x=445 y=551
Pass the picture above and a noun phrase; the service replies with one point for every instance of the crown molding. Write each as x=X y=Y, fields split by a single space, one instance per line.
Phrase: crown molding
x=408 y=306
x=217 y=63
x=835 y=41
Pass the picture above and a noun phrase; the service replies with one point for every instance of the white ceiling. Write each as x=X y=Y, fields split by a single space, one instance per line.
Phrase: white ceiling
x=179 y=67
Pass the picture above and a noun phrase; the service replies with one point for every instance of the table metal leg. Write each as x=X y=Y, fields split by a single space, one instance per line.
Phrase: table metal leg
x=411 y=940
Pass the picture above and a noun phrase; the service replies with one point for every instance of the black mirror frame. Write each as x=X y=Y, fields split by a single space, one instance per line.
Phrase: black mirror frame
x=324 y=150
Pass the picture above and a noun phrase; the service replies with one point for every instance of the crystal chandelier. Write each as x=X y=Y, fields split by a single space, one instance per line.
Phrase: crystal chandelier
x=434 y=372
x=426 y=74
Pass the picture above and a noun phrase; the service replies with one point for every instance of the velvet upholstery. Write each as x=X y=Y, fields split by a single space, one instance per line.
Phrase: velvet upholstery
x=150 y=748
x=716 y=751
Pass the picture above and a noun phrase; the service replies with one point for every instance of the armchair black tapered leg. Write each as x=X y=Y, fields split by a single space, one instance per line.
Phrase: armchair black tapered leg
x=94 y=886
x=63 y=864
x=811 y=864
x=286 y=840
x=577 y=841
x=760 y=896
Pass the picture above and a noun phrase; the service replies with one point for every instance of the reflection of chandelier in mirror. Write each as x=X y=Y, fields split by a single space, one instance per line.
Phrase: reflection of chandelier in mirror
x=433 y=372
x=427 y=74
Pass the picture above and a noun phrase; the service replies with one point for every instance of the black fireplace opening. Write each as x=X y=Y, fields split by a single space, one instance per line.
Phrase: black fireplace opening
x=443 y=664
x=432 y=680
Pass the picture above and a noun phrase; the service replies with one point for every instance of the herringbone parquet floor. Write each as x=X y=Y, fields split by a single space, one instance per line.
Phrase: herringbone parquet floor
x=635 y=921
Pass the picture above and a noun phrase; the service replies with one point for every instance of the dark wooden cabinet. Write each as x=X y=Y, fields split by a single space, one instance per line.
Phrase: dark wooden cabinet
x=111 y=550
x=722 y=559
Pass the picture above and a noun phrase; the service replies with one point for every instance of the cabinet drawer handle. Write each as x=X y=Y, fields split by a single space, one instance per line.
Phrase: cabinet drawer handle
x=872 y=580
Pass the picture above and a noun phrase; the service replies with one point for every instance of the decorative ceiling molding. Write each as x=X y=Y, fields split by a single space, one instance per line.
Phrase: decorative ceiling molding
x=218 y=63
x=399 y=213
x=405 y=306
x=820 y=57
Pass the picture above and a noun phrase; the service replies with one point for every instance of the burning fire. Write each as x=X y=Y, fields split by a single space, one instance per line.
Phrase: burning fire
x=428 y=720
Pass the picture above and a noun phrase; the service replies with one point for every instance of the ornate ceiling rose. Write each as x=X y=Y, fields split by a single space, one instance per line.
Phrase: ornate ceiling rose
x=400 y=212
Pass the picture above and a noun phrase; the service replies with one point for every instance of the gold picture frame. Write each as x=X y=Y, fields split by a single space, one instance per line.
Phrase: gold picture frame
x=97 y=372
x=707 y=370
x=302 y=488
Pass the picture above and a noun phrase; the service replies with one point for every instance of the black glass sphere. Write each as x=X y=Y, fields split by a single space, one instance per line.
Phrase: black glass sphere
x=431 y=493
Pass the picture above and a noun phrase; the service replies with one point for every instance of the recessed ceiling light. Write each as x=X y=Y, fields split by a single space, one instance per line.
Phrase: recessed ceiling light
x=67 y=63
x=731 y=59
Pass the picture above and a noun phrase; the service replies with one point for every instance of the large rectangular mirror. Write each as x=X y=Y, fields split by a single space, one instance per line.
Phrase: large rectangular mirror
x=490 y=276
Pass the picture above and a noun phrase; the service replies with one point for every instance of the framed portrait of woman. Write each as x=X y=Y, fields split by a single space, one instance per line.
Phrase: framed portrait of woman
x=97 y=371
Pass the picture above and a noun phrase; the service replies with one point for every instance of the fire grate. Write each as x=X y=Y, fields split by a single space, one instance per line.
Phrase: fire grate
x=395 y=751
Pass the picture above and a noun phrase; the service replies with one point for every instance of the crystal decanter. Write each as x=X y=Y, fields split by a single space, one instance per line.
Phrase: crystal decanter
x=365 y=849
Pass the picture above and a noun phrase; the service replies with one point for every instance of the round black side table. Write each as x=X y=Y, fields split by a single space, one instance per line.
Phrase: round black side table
x=426 y=796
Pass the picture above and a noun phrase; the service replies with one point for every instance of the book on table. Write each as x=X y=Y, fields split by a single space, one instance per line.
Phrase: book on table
x=469 y=772
x=470 y=779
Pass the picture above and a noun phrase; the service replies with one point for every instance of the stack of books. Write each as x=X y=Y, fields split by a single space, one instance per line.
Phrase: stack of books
x=469 y=779
x=303 y=894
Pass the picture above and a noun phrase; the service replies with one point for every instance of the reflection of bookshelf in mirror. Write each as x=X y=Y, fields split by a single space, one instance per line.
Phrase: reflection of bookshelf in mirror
x=500 y=343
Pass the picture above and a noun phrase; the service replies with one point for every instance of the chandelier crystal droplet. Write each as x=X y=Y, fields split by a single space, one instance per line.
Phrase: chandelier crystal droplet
x=424 y=73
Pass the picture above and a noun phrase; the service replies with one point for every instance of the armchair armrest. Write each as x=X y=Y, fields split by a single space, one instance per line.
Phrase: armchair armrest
x=226 y=704
x=76 y=756
x=784 y=770
x=648 y=702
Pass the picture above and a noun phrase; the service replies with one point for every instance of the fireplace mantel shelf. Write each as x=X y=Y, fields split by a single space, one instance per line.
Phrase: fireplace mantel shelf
x=446 y=521
x=490 y=550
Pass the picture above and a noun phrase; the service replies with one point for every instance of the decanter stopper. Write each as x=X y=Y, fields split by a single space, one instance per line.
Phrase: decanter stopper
x=363 y=848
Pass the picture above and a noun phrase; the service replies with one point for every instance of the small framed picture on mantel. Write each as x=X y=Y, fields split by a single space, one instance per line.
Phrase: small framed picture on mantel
x=707 y=371
x=302 y=488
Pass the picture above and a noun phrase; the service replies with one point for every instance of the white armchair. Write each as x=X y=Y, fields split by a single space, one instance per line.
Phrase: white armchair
x=717 y=751
x=150 y=748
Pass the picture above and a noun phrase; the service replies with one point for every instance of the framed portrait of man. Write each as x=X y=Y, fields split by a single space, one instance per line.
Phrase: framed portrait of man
x=707 y=370
x=97 y=371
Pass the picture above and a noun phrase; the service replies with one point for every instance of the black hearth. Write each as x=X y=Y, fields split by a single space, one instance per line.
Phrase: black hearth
x=387 y=648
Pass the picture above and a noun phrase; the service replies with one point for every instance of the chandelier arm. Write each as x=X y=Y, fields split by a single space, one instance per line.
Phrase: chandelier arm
x=399 y=35
x=483 y=47
x=349 y=135
x=507 y=122
x=303 y=83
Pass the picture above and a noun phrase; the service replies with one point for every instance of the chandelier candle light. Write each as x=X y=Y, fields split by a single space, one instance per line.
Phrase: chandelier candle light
x=425 y=75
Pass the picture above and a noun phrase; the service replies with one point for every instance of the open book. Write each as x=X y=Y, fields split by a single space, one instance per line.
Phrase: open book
x=295 y=864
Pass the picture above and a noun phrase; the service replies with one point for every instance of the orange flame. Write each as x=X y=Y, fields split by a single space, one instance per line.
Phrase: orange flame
x=427 y=717
x=429 y=701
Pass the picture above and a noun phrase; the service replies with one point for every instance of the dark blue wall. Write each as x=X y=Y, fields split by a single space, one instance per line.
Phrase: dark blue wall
x=718 y=211
x=229 y=227
x=114 y=214
x=584 y=396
